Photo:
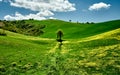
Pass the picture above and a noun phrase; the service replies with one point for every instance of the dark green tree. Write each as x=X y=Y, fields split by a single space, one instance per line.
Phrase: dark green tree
x=59 y=35
x=59 y=38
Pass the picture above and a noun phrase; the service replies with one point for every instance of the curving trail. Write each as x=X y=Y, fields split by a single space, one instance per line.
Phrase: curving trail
x=63 y=49
x=53 y=50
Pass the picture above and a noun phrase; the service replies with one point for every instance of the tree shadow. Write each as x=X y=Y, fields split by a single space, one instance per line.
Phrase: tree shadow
x=60 y=46
x=60 y=43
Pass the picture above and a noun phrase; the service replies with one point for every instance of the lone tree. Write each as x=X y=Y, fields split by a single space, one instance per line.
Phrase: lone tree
x=59 y=38
x=59 y=35
x=70 y=20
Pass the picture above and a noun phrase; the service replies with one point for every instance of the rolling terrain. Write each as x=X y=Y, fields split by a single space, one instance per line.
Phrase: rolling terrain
x=88 y=49
x=74 y=30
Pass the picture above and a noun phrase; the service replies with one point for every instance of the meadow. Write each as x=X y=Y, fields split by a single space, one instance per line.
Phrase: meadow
x=88 y=49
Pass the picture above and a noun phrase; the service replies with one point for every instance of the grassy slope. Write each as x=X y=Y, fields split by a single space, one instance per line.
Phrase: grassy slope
x=98 y=54
x=74 y=30
x=22 y=49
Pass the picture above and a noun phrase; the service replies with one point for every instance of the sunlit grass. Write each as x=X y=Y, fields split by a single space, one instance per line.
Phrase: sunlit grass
x=27 y=55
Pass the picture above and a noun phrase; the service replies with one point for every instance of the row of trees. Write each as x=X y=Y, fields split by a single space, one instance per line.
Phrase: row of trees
x=83 y=23
x=2 y=31
x=24 y=28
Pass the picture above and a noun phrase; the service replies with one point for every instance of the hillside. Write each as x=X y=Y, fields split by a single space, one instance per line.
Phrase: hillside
x=75 y=30
x=94 y=52
x=48 y=28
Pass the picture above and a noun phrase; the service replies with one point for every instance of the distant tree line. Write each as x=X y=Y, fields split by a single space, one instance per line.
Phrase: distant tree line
x=83 y=23
x=2 y=31
x=22 y=27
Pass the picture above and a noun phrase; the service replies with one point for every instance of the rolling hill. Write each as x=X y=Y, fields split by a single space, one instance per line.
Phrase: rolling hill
x=75 y=30
x=89 y=49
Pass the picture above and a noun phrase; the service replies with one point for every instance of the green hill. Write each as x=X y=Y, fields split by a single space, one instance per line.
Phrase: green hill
x=89 y=49
x=75 y=30
x=48 y=28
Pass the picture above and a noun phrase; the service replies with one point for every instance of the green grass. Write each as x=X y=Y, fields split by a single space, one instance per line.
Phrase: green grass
x=74 y=30
x=94 y=52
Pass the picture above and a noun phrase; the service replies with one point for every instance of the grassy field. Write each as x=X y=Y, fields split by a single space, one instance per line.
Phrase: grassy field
x=88 y=49
x=75 y=30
